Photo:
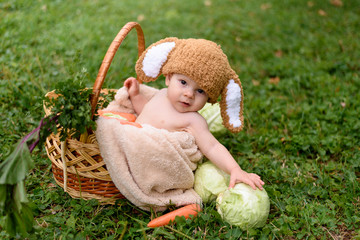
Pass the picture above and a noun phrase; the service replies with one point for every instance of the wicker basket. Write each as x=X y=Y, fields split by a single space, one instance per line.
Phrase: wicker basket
x=77 y=165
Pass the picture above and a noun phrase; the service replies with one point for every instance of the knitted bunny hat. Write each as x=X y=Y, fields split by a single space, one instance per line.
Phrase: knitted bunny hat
x=204 y=62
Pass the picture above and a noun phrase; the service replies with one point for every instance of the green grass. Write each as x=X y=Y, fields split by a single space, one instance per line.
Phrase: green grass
x=299 y=65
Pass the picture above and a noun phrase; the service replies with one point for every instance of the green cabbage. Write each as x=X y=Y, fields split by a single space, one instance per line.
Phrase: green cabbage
x=210 y=181
x=211 y=112
x=243 y=206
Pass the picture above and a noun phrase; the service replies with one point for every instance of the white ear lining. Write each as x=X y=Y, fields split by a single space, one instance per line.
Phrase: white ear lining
x=233 y=100
x=155 y=58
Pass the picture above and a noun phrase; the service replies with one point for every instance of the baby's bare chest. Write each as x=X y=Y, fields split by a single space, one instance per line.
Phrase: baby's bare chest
x=158 y=113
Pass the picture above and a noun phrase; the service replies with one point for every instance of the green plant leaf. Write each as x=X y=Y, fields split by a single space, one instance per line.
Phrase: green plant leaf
x=17 y=165
x=71 y=221
x=13 y=200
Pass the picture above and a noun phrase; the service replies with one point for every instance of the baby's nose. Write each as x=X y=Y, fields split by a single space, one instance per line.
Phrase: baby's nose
x=189 y=93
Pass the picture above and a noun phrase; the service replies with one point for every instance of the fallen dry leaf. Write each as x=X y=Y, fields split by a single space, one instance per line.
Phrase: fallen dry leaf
x=255 y=82
x=141 y=17
x=322 y=13
x=310 y=4
x=207 y=3
x=51 y=185
x=44 y=224
x=265 y=6
x=274 y=80
x=278 y=53
x=337 y=3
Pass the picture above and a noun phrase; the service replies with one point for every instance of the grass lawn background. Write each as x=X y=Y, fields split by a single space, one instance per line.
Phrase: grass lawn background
x=299 y=63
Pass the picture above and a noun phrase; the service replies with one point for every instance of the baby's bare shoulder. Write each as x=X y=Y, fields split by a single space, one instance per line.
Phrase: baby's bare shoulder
x=196 y=122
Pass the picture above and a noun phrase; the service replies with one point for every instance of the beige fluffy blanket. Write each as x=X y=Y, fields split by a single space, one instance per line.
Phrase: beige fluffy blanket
x=151 y=167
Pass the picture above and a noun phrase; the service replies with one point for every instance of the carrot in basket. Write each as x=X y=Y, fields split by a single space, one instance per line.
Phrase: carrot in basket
x=122 y=117
x=185 y=211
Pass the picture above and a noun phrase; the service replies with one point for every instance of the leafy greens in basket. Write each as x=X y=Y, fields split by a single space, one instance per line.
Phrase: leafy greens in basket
x=71 y=115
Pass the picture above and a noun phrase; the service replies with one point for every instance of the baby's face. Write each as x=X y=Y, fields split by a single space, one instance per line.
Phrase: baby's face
x=185 y=94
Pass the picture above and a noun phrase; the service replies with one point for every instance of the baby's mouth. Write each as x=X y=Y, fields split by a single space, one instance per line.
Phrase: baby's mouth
x=185 y=104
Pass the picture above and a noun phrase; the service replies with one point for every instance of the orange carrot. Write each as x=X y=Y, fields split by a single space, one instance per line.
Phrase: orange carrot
x=123 y=118
x=185 y=211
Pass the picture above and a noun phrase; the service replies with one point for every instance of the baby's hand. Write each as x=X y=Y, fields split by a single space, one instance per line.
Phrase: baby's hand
x=132 y=86
x=238 y=175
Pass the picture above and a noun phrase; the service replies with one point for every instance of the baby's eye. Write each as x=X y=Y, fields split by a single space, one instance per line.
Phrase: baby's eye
x=201 y=91
x=183 y=82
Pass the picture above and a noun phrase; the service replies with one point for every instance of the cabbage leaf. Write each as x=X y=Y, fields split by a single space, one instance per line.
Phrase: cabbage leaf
x=243 y=206
x=210 y=181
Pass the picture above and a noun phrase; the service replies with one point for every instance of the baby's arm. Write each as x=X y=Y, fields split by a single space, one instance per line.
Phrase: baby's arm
x=222 y=158
x=138 y=100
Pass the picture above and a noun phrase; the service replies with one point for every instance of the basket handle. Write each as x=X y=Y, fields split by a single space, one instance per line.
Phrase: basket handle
x=110 y=55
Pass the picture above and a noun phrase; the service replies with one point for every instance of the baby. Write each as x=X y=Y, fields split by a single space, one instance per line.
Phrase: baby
x=176 y=107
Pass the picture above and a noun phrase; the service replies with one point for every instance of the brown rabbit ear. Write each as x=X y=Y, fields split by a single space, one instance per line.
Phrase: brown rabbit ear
x=231 y=105
x=149 y=65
